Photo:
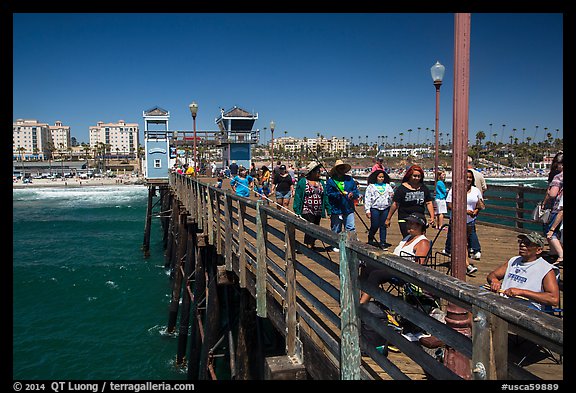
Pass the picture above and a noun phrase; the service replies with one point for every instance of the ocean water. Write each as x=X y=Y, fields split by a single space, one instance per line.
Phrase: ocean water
x=86 y=303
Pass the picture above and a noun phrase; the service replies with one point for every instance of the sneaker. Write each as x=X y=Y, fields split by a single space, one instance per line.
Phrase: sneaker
x=336 y=249
x=476 y=255
x=471 y=269
x=445 y=252
x=393 y=348
x=382 y=349
x=392 y=321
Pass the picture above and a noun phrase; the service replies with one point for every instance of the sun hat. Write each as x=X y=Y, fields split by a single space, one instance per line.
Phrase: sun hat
x=310 y=167
x=340 y=163
x=417 y=218
x=534 y=237
x=372 y=177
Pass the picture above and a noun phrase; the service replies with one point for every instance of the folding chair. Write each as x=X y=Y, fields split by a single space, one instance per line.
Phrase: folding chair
x=438 y=260
x=556 y=358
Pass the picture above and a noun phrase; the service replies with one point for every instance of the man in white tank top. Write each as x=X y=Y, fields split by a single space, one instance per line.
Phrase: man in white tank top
x=528 y=275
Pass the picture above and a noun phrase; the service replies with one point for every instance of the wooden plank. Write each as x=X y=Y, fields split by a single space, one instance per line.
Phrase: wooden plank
x=242 y=248
x=260 y=261
x=490 y=346
x=228 y=232
x=290 y=300
x=218 y=224
x=349 y=302
x=210 y=225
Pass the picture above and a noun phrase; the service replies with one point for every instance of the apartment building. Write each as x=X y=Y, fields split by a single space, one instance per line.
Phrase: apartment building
x=60 y=137
x=31 y=140
x=121 y=138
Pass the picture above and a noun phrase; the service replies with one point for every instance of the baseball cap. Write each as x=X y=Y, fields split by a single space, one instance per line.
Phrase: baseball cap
x=282 y=167
x=534 y=238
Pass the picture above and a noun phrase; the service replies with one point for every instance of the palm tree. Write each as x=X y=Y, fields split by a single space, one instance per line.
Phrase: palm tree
x=535 y=132
x=501 y=136
x=480 y=136
x=523 y=133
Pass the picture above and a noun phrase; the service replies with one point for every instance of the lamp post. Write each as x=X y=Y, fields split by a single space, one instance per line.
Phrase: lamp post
x=437 y=72
x=272 y=126
x=193 y=110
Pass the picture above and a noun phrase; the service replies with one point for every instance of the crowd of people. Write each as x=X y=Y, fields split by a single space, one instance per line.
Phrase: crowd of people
x=313 y=198
x=526 y=276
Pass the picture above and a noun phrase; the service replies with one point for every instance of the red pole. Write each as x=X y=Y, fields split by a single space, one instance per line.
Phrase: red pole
x=437 y=84
x=457 y=317
x=195 y=166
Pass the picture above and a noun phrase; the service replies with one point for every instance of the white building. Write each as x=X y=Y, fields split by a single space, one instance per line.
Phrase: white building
x=31 y=140
x=60 y=137
x=120 y=138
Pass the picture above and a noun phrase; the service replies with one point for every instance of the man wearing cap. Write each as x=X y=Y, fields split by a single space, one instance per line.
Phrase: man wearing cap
x=528 y=275
x=342 y=191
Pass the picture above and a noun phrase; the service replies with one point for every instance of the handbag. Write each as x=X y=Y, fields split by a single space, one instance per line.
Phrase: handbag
x=541 y=214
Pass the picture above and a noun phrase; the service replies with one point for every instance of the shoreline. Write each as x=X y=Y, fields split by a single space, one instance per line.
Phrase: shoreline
x=78 y=183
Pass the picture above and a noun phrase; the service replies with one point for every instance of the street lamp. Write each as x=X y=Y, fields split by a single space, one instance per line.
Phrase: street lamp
x=193 y=110
x=437 y=72
x=272 y=125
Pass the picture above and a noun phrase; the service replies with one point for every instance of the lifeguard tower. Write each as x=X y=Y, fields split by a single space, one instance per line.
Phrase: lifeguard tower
x=236 y=135
x=156 y=144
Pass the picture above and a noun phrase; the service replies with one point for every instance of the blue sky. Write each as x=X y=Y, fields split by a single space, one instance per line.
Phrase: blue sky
x=337 y=74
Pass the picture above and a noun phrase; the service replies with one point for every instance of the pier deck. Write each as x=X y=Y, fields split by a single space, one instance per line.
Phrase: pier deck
x=498 y=245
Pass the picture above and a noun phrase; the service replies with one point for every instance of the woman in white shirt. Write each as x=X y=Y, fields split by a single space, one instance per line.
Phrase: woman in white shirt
x=474 y=203
x=414 y=247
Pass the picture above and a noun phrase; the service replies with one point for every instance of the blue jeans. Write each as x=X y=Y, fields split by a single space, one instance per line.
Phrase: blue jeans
x=377 y=222
x=471 y=237
x=339 y=220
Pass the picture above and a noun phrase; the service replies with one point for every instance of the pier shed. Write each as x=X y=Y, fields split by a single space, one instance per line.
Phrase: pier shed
x=235 y=127
x=156 y=144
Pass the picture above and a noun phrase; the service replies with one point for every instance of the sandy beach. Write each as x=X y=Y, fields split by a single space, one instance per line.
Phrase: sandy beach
x=100 y=181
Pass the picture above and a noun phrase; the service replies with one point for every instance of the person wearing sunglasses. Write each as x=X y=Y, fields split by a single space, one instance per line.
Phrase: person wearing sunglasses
x=528 y=277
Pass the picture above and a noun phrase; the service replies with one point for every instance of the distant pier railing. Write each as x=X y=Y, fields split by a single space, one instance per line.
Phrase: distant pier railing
x=313 y=301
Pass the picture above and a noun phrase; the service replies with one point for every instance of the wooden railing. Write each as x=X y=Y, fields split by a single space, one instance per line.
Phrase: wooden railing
x=314 y=301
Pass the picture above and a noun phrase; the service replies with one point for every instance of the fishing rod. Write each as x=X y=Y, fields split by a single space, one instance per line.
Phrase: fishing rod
x=341 y=191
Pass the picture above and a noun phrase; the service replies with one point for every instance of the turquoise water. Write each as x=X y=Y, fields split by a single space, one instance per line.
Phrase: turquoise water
x=86 y=303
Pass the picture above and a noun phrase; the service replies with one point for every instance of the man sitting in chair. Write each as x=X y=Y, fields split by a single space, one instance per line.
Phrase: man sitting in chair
x=528 y=276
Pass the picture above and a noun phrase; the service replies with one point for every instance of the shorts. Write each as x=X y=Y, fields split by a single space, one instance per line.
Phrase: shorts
x=440 y=206
x=283 y=195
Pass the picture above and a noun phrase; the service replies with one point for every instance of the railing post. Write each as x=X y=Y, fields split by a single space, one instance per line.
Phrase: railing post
x=290 y=301
x=210 y=217
x=228 y=232
x=199 y=215
x=241 y=248
x=191 y=197
x=260 y=261
x=519 y=207
x=218 y=224
x=489 y=346
x=349 y=302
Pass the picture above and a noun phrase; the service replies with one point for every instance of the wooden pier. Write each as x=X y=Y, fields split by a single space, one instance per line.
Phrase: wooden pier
x=239 y=264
